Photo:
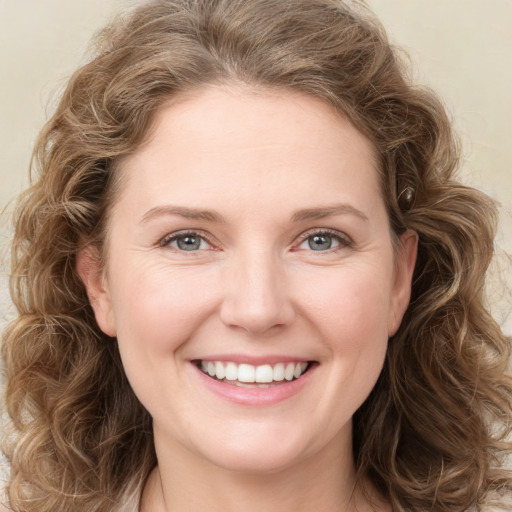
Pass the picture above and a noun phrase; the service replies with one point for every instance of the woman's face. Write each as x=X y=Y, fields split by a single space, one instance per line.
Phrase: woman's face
x=250 y=240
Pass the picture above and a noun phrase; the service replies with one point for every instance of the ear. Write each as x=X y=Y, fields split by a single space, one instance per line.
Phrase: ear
x=89 y=269
x=404 y=269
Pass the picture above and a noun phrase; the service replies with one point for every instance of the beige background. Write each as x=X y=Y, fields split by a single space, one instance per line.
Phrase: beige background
x=461 y=47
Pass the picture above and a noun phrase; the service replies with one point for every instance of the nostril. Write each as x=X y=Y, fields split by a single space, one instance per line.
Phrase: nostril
x=253 y=320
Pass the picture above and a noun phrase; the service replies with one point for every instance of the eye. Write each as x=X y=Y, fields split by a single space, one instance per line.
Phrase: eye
x=188 y=241
x=324 y=240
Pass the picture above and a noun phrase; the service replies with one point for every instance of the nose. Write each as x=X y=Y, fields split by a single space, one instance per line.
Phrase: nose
x=255 y=295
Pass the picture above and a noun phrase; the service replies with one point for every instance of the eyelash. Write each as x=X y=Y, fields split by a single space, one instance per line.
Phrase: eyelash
x=167 y=240
x=343 y=240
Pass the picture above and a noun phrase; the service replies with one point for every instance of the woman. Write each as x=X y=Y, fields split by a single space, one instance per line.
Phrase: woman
x=247 y=277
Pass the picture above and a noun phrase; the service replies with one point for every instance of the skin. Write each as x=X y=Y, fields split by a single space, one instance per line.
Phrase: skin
x=254 y=286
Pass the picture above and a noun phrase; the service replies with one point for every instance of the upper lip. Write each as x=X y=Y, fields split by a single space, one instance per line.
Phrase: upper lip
x=252 y=360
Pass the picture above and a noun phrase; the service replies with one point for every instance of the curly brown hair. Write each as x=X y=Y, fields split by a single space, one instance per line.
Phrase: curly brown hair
x=432 y=434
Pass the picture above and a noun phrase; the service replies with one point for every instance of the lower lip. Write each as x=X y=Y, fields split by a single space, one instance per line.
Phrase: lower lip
x=254 y=396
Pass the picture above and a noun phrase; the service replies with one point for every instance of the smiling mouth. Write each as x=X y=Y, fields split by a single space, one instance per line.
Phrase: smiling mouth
x=250 y=376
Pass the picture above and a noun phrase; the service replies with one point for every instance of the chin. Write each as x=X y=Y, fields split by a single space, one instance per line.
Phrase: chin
x=261 y=453
x=256 y=463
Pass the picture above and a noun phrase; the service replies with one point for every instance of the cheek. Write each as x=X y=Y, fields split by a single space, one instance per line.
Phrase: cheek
x=351 y=309
x=350 y=313
x=157 y=311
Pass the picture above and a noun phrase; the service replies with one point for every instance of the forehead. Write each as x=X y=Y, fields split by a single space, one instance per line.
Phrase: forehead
x=243 y=141
x=257 y=110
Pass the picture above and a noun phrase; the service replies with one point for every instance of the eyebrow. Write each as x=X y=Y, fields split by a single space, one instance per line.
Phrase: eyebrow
x=215 y=217
x=181 y=211
x=327 y=211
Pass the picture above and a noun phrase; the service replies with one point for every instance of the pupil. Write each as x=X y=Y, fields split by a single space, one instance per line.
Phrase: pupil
x=320 y=242
x=189 y=243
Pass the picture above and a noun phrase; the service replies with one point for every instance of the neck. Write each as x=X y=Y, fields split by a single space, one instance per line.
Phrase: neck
x=323 y=482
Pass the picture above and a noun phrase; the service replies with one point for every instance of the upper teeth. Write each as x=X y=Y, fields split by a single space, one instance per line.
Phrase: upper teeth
x=249 y=373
